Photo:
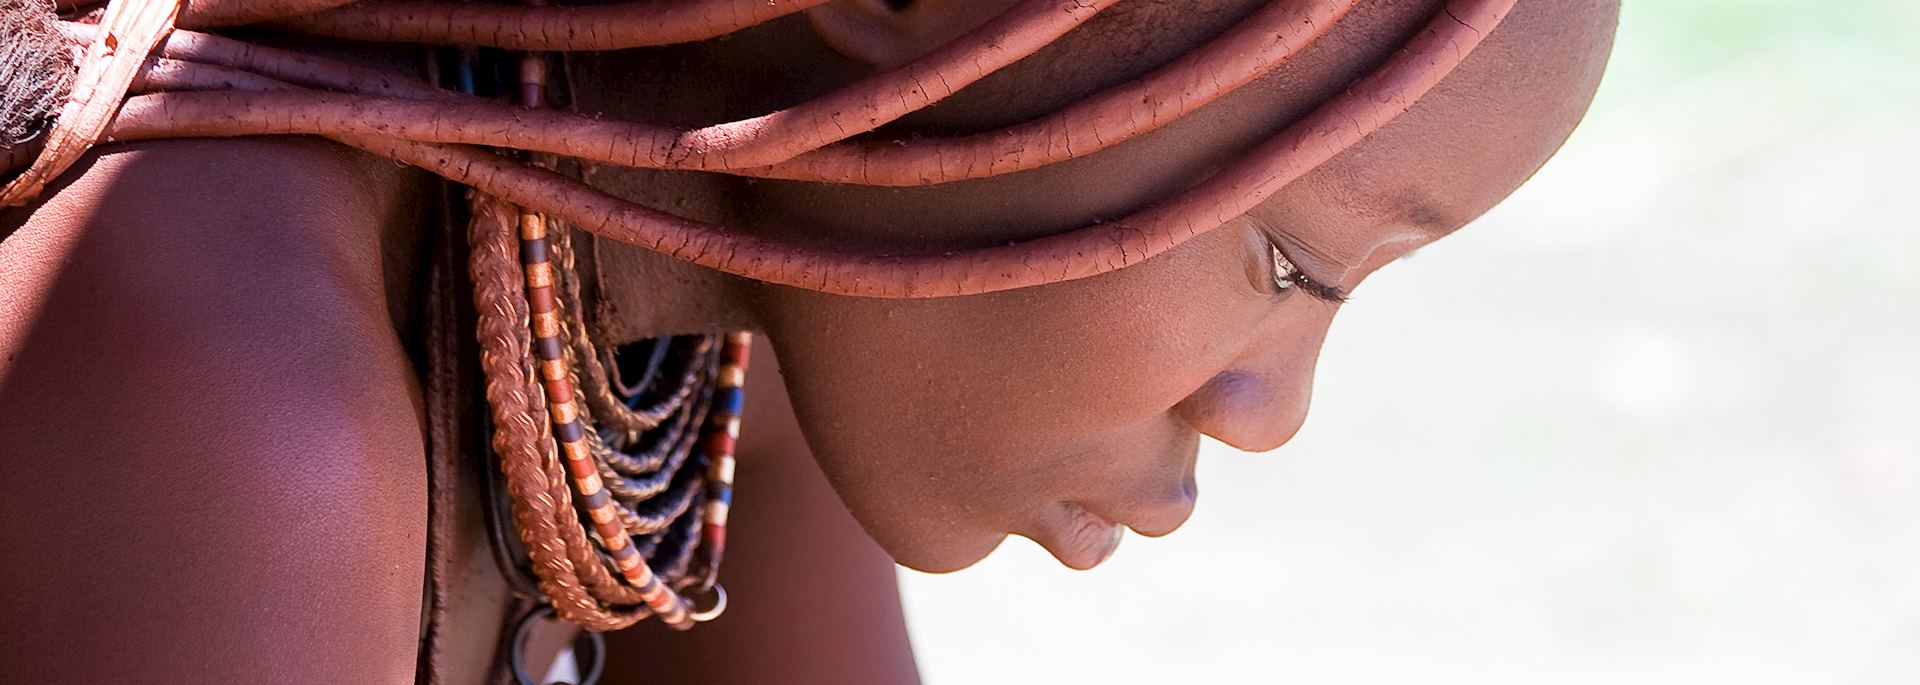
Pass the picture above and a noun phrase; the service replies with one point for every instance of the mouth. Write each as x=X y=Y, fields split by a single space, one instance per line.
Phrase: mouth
x=1082 y=533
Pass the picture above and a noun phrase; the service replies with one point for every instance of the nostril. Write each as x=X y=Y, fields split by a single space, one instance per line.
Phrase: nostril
x=899 y=5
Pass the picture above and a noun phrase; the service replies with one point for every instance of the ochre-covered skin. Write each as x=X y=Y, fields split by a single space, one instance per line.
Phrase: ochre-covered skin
x=290 y=525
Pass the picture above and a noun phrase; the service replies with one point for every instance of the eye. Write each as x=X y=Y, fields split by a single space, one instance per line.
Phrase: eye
x=1284 y=272
x=1287 y=276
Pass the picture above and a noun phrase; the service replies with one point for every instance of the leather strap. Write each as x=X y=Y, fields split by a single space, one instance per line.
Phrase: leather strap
x=467 y=605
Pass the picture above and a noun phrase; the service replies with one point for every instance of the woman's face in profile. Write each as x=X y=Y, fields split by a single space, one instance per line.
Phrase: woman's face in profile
x=1065 y=413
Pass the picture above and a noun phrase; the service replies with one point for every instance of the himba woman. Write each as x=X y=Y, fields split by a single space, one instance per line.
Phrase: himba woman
x=373 y=343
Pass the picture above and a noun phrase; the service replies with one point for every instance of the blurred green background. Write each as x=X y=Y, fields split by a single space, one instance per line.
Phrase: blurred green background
x=1656 y=419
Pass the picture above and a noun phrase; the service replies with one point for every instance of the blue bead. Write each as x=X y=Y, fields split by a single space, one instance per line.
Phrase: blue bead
x=730 y=401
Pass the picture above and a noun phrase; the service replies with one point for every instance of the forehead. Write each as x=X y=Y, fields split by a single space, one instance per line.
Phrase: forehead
x=1465 y=146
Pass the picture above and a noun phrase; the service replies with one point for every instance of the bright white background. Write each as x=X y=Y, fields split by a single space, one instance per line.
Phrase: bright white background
x=1654 y=420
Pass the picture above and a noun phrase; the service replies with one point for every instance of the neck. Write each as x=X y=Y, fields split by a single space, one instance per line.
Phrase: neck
x=638 y=294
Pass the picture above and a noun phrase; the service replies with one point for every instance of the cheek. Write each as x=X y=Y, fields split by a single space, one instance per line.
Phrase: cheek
x=1057 y=362
x=936 y=410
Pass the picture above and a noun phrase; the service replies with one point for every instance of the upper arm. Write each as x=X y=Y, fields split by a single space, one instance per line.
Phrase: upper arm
x=210 y=452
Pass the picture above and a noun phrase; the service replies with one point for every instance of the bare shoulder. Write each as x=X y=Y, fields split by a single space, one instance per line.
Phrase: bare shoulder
x=207 y=200
x=208 y=423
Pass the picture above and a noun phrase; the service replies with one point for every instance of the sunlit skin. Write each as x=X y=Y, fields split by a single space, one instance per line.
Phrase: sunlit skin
x=195 y=307
x=1064 y=412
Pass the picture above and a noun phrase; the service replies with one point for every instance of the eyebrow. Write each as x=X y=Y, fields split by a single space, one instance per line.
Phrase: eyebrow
x=1419 y=210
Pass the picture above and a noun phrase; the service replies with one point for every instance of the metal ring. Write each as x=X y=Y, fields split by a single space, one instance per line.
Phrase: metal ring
x=517 y=658
x=710 y=613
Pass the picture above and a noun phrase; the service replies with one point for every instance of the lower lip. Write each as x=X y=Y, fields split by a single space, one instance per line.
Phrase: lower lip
x=1088 y=540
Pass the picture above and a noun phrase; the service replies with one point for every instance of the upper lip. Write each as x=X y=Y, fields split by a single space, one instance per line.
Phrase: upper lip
x=1152 y=518
x=1159 y=519
x=1159 y=512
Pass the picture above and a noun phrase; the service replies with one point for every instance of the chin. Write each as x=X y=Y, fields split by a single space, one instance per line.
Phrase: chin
x=945 y=557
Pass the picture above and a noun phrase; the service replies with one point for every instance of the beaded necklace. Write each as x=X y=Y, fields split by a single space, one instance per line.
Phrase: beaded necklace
x=620 y=484
x=598 y=494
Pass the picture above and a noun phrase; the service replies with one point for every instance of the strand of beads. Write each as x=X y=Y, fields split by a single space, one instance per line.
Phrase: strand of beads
x=650 y=520
x=723 y=430
x=550 y=349
x=555 y=369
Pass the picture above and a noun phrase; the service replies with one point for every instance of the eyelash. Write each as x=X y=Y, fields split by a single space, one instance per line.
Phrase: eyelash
x=1287 y=276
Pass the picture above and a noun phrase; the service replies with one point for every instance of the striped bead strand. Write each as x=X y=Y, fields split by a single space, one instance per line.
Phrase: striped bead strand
x=722 y=432
x=550 y=350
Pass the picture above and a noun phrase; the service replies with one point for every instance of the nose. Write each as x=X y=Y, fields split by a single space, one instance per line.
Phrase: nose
x=1260 y=401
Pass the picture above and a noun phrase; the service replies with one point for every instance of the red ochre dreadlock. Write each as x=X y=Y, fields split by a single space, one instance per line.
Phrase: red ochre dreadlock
x=258 y=91
x=184 y=83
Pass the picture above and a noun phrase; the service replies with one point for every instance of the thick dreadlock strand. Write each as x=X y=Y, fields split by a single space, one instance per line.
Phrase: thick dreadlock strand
x=806 y=141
